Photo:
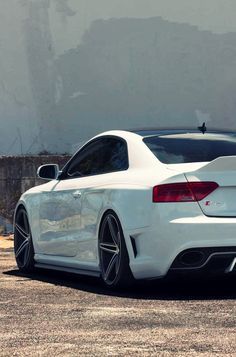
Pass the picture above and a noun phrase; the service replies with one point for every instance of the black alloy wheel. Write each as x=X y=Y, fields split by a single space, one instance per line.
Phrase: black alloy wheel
x=113 y=255
x=23 y=246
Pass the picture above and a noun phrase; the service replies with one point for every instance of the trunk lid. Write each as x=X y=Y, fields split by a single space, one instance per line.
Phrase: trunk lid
x=222 y=201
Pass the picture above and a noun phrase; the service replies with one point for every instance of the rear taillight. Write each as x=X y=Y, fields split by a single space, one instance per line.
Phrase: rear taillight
x=183 y=191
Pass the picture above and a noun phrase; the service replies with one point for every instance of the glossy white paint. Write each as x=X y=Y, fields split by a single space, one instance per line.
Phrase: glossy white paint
x=222 y=170
x=65 y=215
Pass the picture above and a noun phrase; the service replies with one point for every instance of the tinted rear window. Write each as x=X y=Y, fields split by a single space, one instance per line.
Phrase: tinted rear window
x=186 y=148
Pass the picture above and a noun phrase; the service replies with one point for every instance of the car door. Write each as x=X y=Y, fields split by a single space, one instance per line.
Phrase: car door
x=95 y=168
x=60 y=219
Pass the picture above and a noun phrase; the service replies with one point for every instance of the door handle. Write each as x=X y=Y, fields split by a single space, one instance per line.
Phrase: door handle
x=77 y=194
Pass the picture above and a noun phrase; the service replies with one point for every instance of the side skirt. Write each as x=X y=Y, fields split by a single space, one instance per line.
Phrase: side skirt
x=68 y=270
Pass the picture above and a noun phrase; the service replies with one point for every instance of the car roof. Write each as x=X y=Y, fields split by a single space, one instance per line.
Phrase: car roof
x=144 y=132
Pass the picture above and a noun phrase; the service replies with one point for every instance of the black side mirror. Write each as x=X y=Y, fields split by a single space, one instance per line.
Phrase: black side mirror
x=48 y=171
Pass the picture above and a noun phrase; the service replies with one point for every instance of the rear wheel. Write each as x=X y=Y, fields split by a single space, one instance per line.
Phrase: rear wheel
x=113 y=255
x=23 y=246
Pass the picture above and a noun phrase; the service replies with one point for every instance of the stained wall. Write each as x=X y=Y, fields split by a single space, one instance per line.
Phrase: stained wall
x=71 y=68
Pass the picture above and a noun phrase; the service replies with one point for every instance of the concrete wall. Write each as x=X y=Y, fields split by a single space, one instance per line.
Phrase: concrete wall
x=17 y=174
x=71 y=68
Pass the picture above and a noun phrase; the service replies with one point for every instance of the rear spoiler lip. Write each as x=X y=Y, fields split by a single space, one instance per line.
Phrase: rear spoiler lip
x=222 y=163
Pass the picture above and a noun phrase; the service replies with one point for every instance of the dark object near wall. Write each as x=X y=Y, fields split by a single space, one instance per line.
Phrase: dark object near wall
x=18 y=174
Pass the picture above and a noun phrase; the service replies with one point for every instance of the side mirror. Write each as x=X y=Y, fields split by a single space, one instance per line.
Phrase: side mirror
x=48 y=171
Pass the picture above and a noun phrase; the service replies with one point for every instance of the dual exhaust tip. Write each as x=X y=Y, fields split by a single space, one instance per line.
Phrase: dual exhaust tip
x=207 y=259
x=192 y=258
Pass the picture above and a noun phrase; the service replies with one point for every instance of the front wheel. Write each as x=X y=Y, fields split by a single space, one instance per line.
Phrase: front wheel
x=113 y=255
x=23 y=246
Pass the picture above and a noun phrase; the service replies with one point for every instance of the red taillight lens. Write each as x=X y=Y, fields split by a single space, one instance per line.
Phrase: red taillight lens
x=202 y=189
x=183 y=192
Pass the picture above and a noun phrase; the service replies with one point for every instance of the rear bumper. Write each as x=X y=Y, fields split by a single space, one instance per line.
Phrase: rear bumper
x=161 y=246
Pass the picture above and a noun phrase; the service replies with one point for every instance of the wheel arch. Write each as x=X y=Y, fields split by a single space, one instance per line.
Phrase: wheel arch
x=19 y=205
x=23 y=244
x=103 y=214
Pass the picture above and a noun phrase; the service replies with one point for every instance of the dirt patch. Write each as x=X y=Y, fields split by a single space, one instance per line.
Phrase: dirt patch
x=6 y=242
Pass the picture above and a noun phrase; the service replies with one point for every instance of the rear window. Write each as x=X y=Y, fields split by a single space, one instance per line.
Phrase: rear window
x=194 y=147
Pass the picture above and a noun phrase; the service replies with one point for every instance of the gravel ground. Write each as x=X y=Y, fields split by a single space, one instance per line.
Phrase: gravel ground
x=51 y=314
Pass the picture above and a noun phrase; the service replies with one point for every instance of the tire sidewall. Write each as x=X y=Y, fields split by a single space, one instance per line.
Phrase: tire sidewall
x=29 y=265
x=124 y=274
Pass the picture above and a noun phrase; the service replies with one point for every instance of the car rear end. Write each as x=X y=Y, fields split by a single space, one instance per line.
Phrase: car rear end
x=193 y=218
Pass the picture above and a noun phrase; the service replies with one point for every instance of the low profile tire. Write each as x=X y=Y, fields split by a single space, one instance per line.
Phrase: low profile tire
x=23 y=246
x=113 y=255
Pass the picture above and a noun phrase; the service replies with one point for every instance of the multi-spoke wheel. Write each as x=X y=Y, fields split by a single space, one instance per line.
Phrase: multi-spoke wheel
x=114 y=259
x=23 y=246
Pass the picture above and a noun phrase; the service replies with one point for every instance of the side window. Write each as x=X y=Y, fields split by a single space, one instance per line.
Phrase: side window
x=101 y=156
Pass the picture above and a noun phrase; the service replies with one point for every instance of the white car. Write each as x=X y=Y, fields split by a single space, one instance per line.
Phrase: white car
x=134 y=205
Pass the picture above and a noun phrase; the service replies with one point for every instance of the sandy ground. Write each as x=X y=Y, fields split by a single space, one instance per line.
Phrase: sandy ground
x=6 y=242
x=51 y=314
